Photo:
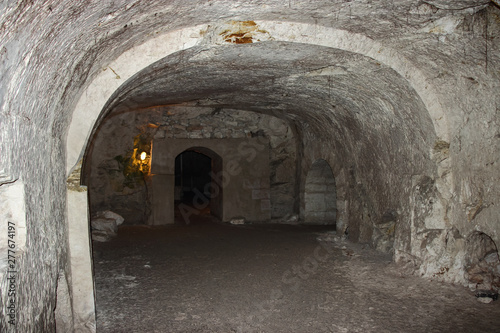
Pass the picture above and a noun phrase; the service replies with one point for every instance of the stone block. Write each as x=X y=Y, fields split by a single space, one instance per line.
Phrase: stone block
x=316 y=188
x=265 y=205
x=314 y=216
x=315 y=203
x=105 y=225
x=238 y=135
x=160 y=135
x=195 y=135
x=260 y=194
x=194 y=128
x=100 y=236
x=112 y=215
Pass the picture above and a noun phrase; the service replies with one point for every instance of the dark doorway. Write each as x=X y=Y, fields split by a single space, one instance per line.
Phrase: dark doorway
x=196 y=188
x=192 y=177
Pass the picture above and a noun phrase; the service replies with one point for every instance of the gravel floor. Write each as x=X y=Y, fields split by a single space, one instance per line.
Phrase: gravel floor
x=211 y=277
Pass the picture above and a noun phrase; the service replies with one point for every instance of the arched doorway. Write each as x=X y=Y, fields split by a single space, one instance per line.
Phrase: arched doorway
x=320 y=196
x=195 y=182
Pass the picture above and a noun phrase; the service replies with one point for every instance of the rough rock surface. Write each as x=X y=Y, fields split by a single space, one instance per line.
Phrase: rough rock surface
x=399 y=97
x=105 y=225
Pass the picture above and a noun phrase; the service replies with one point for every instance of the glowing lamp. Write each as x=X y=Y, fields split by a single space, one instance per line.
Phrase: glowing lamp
x=143 y=156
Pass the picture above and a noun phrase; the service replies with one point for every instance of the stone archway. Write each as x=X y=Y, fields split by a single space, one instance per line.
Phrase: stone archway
x=101 y=89
x=231 y=172
x=320 y=197
x=100 y=92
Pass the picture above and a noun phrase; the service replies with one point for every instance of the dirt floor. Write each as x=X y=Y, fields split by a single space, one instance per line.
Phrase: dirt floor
x=212 y=277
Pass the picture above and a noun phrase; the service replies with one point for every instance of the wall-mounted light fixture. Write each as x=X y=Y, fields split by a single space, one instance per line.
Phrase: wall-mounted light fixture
x=143 y=155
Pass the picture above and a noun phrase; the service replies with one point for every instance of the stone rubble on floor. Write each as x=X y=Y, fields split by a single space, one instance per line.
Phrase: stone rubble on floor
x=105 y=225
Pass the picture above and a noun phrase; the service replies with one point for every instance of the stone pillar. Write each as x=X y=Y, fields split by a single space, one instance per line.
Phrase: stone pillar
x=163 y=199
x=80 y=254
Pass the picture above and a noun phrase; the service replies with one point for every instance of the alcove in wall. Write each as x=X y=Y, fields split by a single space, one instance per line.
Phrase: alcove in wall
x=320 y=194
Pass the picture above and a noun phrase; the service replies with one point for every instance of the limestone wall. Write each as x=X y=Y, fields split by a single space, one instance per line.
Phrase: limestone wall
x=111 y=188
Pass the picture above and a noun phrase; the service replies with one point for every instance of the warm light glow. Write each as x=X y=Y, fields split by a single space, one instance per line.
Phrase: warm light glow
x=143 y=156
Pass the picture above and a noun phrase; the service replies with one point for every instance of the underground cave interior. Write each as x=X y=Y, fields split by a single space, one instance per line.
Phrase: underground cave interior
x=297 y=140
x=199 y=183
x=196 y=191
x=399 y=98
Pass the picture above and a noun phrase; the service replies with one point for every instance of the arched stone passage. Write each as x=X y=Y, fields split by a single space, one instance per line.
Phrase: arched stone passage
x=304 y=90
x=320 y=197
x=94 y=99
x=325 y=81
x=417 y=40
x=301 y=87
x=364 y=127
